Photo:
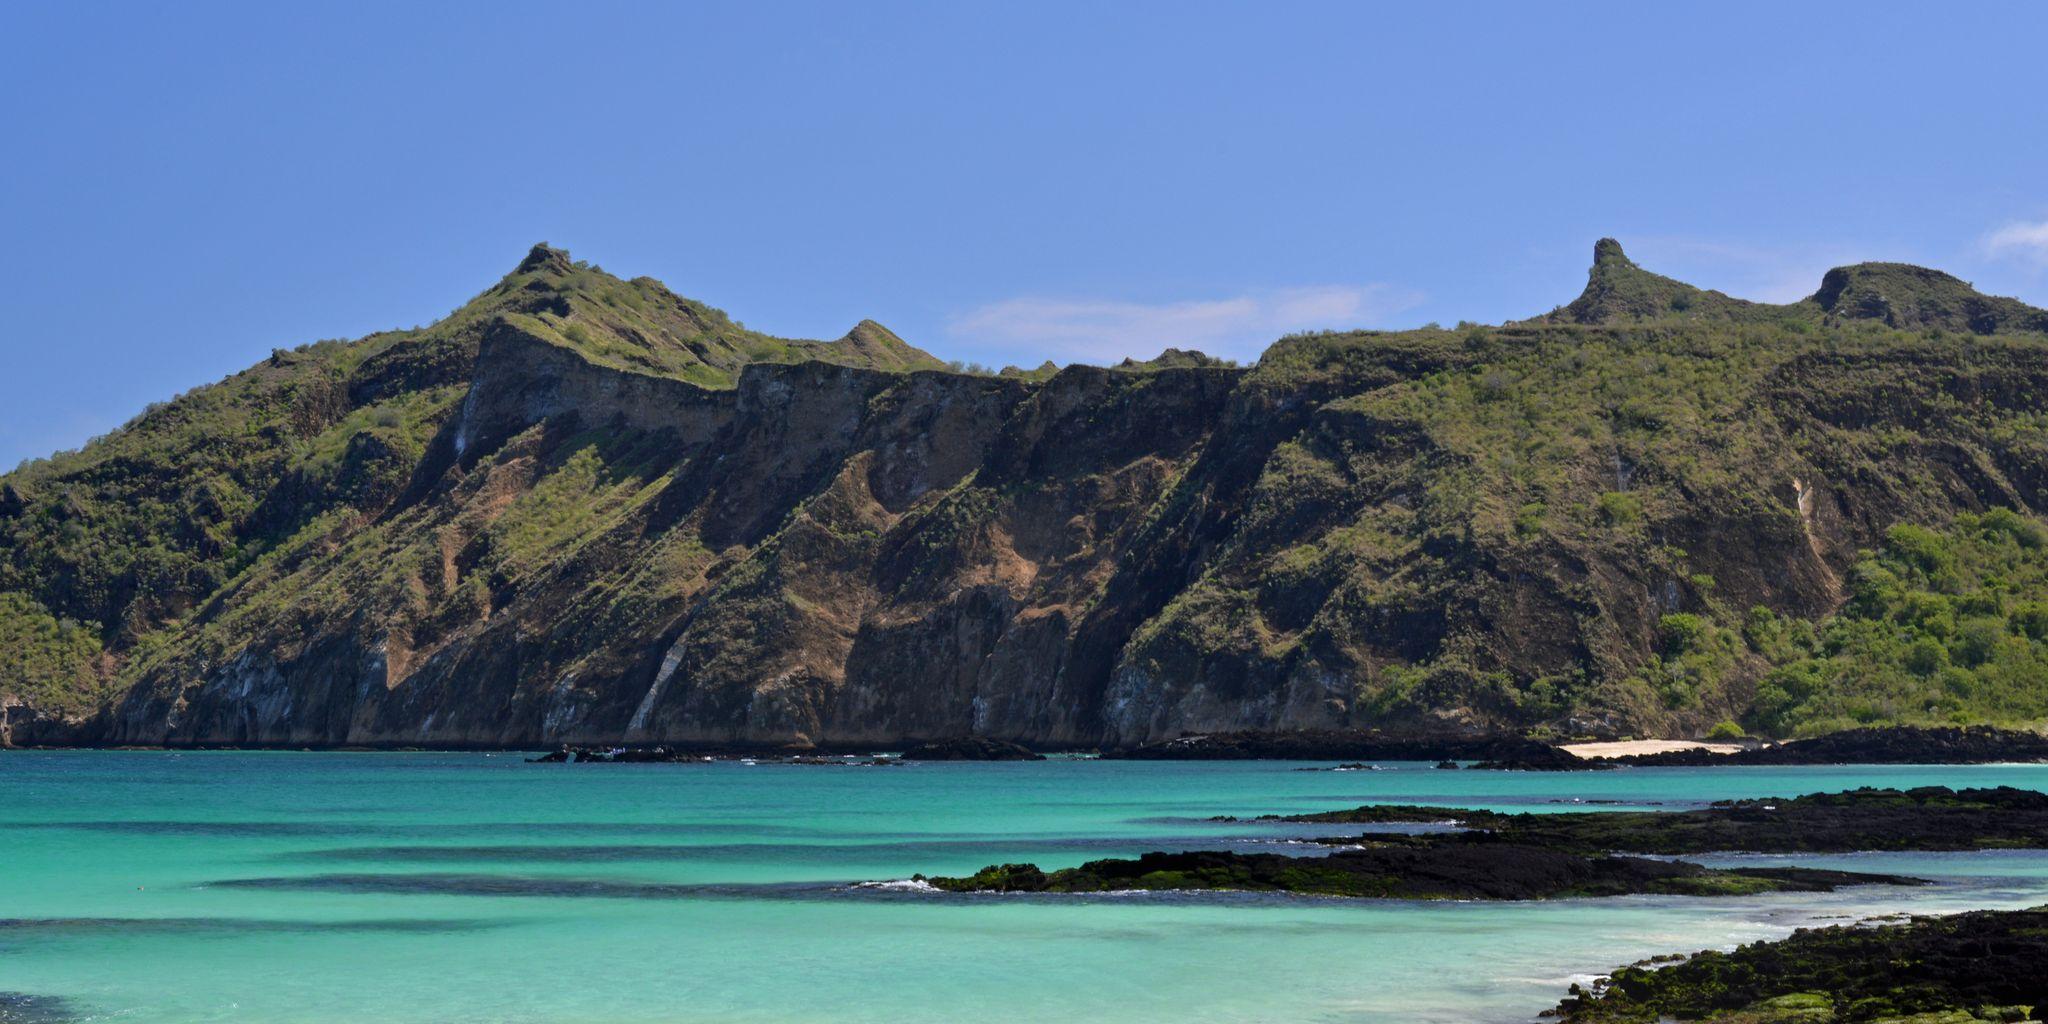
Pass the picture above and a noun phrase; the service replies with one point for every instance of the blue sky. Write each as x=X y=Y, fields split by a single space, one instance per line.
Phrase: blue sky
x=184 y=187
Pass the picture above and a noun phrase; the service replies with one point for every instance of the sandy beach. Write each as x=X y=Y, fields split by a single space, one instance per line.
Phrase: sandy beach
x=1623 y=748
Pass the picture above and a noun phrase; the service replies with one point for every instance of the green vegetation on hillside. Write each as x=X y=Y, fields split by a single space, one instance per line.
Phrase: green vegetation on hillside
x=640 y=325
x=175 y=531
x=1568 y=520
x=1942 y=626
x=47 y=663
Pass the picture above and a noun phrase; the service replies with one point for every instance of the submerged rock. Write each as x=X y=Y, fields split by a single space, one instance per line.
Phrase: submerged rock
x=23 y=1008
x=971 y=748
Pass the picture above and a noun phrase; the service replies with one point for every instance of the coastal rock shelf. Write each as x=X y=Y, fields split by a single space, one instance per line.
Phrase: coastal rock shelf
x=1986 y=966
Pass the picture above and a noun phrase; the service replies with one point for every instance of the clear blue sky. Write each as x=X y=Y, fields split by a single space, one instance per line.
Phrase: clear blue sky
x=185 y=186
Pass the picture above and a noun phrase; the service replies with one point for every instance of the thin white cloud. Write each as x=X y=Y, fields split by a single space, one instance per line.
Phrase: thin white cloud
x=1105 y=331
x=2021 y=239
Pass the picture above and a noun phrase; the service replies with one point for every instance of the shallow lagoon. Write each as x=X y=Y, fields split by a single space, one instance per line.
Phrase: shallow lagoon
x=288 y=887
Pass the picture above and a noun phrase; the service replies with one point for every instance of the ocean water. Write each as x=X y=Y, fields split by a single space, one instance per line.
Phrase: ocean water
x=401 y=887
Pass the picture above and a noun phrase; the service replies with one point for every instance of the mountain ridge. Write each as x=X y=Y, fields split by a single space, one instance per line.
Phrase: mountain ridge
x=584 y=509
x=1900 y=295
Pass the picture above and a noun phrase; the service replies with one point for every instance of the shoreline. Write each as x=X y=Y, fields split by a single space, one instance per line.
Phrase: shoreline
x=1598 y=749
x=1873 y=745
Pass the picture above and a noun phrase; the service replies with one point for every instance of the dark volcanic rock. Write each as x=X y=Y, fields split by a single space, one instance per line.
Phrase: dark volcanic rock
x=1542 y=758
x=666 y=755
x=1929 y=818
x=971 y=748
x=1539 y=856
x=1895 y=745
x=1351 y=746
x=1478 y=871
x=619 y=755
x=1979 y=966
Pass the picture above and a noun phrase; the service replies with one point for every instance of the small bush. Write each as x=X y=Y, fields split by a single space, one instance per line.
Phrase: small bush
x=1682 y=634
x=1619 y=508
x=1926 y=656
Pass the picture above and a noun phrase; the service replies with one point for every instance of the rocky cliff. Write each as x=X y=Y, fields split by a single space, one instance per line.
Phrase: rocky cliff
x=581 y=509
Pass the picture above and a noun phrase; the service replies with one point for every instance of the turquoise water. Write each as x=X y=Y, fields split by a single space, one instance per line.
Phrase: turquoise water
x=301 y=887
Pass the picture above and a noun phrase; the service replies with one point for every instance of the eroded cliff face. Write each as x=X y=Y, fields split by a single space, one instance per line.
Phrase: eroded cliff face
x=495 y=534
x=822 y=553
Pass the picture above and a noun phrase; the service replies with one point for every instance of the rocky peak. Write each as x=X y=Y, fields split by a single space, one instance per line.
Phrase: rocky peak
x=875 y=345
x=1910 y=297
x=1900 y=295
x=870 y=335
x=1619 y=291
x=1607 y=253
x=1171 y=358
x=544 y=258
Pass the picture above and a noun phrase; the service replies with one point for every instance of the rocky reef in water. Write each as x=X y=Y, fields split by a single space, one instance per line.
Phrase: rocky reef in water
x=24 y=1008
x=1491 y=855
x=1464 y=871
x=971 y=748
x=1926 y=818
